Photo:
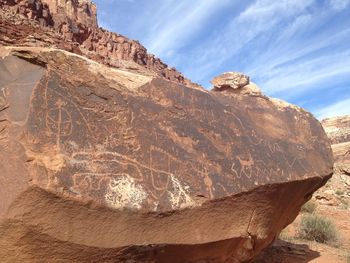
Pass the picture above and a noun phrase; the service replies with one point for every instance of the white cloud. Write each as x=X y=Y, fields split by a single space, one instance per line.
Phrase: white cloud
x=294 y=63
x=339 y=5
x=258 y=18
x=283 y=52
x=299 y=77
x=178 y=22
x=337 y=109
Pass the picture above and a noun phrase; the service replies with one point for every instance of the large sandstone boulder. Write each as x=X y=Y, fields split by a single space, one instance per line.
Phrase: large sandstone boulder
x=104 y=165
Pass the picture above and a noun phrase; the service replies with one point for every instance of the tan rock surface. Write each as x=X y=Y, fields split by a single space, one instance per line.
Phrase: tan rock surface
x=233 y=80
x=237 y=83
x=338 y=131
x=99 y=168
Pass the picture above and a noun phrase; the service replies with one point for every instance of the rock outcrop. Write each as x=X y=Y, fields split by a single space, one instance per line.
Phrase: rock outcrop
x=237 y=83
x=109 y=155
x=338 y=131
x=106 y=165
x=72 y=25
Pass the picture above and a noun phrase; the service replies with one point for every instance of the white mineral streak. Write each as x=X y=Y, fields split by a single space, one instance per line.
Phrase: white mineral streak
x=178 y=196
x=123 y=192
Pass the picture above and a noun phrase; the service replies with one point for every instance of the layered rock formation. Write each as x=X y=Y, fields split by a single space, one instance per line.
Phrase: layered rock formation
x=133 y=163
x=338 y=131
x=72 y=26
x=234 y=82
x=100 y=164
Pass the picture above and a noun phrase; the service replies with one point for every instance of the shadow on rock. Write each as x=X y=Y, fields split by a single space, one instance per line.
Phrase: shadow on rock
x=285 y=252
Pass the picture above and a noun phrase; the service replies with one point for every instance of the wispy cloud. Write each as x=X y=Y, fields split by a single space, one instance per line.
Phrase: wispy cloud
x=178 y=23
x=339 y=4
x=254 y=22
x=300 y=76
x=294 y=49
x=337 y=109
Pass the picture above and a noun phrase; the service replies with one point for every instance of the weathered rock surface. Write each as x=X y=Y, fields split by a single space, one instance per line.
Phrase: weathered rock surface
x=72 y=25
x=106 y=165
x=338 y=131
x=234 y=82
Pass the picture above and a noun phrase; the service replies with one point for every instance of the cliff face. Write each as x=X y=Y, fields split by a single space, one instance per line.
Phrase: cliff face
x=72 y=25
x=72 y=12
x=338 y=131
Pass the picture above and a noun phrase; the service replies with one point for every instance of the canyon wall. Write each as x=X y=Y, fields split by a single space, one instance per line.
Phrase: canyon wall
x=74 y=25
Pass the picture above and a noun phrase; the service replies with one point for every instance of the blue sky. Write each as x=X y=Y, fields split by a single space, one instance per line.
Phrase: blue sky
x=296 y=50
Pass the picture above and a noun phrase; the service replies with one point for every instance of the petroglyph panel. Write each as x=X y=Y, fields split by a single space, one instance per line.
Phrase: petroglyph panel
x=158 y=168
x=174 y=143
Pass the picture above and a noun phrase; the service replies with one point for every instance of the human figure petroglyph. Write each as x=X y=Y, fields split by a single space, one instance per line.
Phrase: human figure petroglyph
x=204 y=173
x=68 y=102
x=59 y=121
x=157 y=178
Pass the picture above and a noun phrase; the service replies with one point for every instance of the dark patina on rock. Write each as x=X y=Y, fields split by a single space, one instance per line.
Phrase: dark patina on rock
x=104 y=164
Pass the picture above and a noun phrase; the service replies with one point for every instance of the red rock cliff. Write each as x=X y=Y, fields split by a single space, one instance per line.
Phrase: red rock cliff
x=72 y=25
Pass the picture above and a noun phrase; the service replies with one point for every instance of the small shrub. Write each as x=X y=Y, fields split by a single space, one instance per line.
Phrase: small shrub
x=339 y=192
x=317 y=228
x=284 y=235
x=309 y=207
x=344 y=204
